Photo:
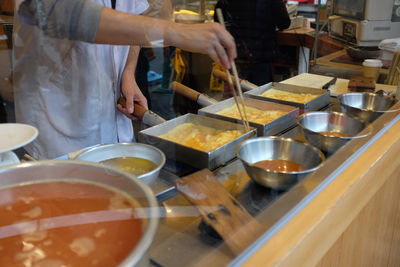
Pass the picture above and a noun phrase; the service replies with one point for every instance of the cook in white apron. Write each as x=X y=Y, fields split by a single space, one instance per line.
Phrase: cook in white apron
x=69 y=89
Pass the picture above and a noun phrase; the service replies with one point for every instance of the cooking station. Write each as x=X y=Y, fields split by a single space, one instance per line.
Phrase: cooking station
x=183 y=239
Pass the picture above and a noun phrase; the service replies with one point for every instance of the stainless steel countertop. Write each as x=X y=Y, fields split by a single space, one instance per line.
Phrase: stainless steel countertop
x=179 y=242
x=182 y=240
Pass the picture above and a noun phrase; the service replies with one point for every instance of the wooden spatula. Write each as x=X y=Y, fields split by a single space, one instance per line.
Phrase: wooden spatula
x=220 y=210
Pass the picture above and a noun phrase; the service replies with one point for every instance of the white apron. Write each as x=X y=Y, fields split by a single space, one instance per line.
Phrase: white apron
x=69 y=89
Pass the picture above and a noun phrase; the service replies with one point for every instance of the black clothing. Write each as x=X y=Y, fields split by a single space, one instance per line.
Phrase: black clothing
x=259 y=73
x=3 y=113
x=253 y=24
x=113 y=3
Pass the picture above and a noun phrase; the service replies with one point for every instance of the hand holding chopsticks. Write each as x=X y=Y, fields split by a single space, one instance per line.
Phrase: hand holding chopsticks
x=238 y=96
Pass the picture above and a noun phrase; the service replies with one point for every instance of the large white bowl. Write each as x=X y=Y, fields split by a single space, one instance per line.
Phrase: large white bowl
x=16 y=135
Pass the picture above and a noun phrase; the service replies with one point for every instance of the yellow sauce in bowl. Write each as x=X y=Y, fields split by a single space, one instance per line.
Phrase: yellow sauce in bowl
x=136 y=166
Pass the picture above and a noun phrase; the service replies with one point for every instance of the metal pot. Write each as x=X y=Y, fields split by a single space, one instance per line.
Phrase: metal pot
x=272 y=148
x=366 y=106
x=40 y=171
x=361 y=53
x=313 y=123
x=105 y=152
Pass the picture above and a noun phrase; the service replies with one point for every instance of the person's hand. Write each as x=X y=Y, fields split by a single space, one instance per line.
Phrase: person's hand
x=132 y=93
x=206 y=38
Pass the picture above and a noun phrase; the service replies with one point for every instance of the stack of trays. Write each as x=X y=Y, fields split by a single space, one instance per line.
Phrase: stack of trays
x=210 y=117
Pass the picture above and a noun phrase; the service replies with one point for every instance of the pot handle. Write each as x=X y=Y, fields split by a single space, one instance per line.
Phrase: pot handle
x=138 y=111
x=246 y=85
x=220 y=75
x=185 y=91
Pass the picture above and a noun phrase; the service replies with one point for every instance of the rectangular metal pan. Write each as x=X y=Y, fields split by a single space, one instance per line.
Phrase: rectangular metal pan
x=272 y=128
x=193 y=157
x=315 y=104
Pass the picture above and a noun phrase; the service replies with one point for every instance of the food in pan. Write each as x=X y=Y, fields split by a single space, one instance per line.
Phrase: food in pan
x=185 y=11
x=289 y=96
x=66 y=224
x=335 y=134
x=137 y=166
x=201 y=137
x=279 y=165
x=253 y=114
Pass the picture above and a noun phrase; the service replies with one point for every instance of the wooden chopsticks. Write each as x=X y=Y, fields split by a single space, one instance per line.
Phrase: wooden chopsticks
x=29 y=157
x=238 y=96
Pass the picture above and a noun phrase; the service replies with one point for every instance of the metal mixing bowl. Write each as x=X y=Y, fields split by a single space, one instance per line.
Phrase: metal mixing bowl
x=360 y=54
x=56 y=170
x=367 y=106
x=312 y=123
x=272 y=148
x=138 y=150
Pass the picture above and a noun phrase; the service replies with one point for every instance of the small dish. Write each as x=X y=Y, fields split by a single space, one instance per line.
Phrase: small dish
x=16 y=135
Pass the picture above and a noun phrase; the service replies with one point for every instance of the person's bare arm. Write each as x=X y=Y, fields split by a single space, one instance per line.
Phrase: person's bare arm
x=129 y=87
x=209 y=38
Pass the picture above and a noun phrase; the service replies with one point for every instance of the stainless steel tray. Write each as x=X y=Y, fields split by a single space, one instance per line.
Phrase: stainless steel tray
x=316 y=104
x=272 y=128
x=193 y=157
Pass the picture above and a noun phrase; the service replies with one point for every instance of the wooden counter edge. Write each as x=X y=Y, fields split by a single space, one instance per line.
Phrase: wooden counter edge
x=304 y=36
x=327 y=61
x=306 y=239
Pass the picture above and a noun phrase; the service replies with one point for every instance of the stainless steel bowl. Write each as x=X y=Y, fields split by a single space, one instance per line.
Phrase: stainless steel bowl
x=360 y=54
x=41 y=171
x=313 y=123
x=272 y=148
x=105 y=152
x=367 y=106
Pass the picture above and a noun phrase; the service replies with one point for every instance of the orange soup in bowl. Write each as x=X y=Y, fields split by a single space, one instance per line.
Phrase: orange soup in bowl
x=67 y=224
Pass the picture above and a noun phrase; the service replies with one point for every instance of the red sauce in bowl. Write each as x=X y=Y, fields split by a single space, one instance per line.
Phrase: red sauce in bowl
x=66 y=224
x=279 y=165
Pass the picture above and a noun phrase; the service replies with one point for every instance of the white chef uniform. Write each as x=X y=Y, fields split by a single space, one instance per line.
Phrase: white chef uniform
x=68 y=89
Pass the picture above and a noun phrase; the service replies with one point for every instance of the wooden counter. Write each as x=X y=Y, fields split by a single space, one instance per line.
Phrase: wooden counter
x=329 y=60
x=7 y=6
x=340 y=86
x=354 y=220
x=305 y=37
x=4 y=19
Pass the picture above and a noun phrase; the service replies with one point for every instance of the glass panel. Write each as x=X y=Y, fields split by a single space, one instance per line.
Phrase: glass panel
x=189 y=132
